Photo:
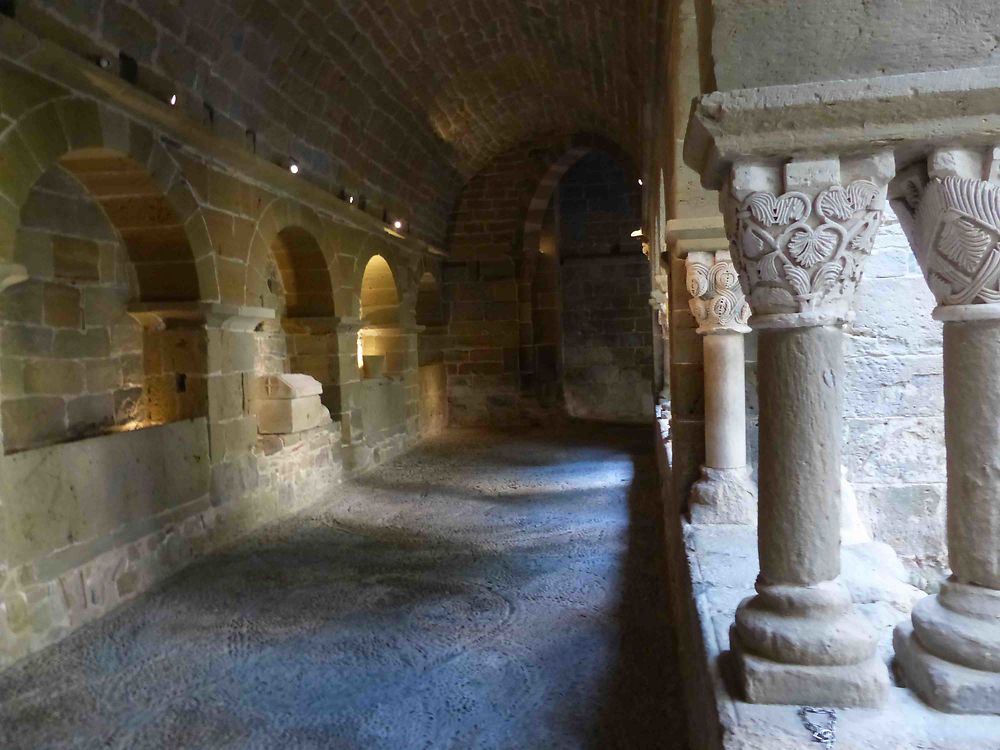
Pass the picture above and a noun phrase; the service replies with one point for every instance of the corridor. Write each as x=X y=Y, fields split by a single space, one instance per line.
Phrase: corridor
x=486 y=590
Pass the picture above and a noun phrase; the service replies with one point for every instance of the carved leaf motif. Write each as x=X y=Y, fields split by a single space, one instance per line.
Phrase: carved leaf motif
x=965 y=244
x=798 y=279
x=755 y=242
x=842 y=203
x=810 y=246
x=769 y=210
x=770 y=268
x=826 y=276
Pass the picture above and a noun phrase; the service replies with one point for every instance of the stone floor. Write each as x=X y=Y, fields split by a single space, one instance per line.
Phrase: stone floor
x=488 y=590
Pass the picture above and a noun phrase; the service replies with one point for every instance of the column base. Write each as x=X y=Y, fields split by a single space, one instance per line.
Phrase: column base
x=724 y=496
x=864 y=684
x=941 y=684
x=798 y=643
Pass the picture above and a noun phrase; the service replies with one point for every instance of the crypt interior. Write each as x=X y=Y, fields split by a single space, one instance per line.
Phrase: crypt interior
x=395 y=374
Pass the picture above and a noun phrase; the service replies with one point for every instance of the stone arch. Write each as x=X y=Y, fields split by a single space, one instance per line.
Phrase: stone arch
x=289 y=272
x=380 y=300
x=287 y=255
x=107 y=260
x=371 y=249
x=541 y=352
x=137 y=182
x=577 y=148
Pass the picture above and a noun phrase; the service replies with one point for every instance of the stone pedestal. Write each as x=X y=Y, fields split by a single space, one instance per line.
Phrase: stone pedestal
x=800 y=254
x=950 y=654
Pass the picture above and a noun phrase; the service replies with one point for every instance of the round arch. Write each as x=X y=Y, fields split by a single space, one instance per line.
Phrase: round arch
x=287 y=265
x=136 y=181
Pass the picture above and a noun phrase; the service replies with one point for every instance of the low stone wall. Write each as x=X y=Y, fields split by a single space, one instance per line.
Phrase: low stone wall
x=711 y=569
x=70 y=559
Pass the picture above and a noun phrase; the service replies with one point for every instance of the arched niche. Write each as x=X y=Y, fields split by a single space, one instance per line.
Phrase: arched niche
x=303 y=336
x=379 y=342
x=99 y=239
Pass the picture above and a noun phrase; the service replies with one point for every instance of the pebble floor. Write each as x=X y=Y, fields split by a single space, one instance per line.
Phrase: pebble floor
x=486 y=590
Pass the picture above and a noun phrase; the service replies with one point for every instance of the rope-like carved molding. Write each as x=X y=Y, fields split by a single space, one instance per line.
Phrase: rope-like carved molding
x=717 y=301
x=959 y=225
x=797 y=253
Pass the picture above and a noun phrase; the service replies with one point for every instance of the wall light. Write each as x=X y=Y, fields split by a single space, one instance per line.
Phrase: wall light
x=397 y=225
x=293 y=166
x=173 y=100
x=640 y=182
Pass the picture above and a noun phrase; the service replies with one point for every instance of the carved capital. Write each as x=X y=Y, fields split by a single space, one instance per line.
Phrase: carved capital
x=717 y=301
x=801 y=251
x=953 y=212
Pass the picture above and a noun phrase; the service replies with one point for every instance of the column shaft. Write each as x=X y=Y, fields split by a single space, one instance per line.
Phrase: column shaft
x=972 y=436
x=801 y=372
x=725 y=401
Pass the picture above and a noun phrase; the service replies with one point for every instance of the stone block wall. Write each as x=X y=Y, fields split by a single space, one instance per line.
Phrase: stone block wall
x=75 y=363
x=608 y=338
x=158 y=199
x=607 y=346
x=504 y=349
x=894 y=401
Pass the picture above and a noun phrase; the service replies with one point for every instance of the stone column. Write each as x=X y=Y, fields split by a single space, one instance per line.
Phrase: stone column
x=800 y=236
x=950 y=653
x=725 y=493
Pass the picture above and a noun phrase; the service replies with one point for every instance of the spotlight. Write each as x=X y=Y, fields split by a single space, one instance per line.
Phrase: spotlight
x=350 y=199
x=173 y=100
x=640 y=182
x=293 y=166
x=397 y=225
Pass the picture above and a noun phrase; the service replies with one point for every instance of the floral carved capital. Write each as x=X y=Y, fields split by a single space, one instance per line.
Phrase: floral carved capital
x=958 y=225
x=717 y=301
x=805 y=253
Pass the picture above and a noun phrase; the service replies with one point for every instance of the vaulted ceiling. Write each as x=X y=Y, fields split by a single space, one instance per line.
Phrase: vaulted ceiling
x=403 y=98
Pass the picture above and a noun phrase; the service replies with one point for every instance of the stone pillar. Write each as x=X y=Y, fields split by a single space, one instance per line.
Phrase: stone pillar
x=950 y=653
x=725 y=493
x=800 y=236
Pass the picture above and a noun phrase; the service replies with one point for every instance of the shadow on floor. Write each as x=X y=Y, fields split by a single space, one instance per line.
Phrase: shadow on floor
x=389 y=619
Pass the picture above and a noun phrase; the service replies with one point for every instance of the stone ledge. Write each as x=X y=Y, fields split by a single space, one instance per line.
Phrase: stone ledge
x=908 y=113
x=721 y=565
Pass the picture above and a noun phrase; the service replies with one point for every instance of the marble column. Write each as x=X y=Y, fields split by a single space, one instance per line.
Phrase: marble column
x=950 y=653
x=725 y=492
x=801 y=233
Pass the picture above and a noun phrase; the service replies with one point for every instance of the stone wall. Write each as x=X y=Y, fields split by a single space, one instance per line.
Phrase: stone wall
x=893 y=403
x=607 y=347
x=164 y=239
x=757 y=43
x=504 y=349
x=75 y=363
